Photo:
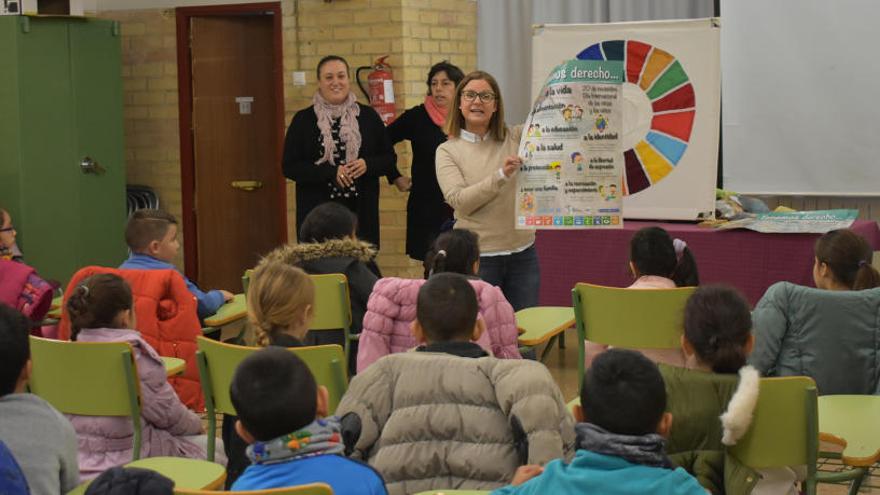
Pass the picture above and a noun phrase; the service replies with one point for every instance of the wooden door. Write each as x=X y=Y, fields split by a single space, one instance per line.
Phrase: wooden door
x=238 y=186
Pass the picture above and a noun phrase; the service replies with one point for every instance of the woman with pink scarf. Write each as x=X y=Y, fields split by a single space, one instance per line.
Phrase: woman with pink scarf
x=426 y=210
x=336 y=150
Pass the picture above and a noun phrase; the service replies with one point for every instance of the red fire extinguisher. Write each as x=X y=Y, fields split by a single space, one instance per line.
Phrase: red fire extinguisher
x=381 y=88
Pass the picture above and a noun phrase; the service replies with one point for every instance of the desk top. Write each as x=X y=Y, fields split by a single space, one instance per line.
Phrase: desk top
x=235 y=309
x=173 y=365
x=851 y=422
x=541 y=323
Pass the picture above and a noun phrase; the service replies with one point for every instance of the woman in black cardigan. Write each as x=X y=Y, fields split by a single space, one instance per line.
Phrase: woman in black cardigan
x=426 y=210
x=336 y=150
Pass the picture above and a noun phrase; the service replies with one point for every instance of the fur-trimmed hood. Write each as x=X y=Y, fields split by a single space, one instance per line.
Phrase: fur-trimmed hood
x=738 y=416
x=297 y=254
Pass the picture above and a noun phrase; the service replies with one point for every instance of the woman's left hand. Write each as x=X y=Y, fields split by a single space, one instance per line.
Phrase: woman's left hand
x=355 y=169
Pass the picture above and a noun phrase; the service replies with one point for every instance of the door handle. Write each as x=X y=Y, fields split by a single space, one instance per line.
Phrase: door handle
x=89 y=166
x=247 y=185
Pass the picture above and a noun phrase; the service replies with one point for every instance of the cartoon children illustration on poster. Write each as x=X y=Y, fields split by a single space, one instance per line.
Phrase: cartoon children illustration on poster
x=577 y=159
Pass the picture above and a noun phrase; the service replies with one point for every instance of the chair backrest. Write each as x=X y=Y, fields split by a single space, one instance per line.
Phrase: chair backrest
x=630 y=318
x=785 y=428
x=310 y=489
x=332 y=302
x=89 y=379
x=217 y=363
x=246 y=280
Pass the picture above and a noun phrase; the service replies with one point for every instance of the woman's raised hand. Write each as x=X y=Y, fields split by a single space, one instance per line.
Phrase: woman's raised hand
x=511 y=165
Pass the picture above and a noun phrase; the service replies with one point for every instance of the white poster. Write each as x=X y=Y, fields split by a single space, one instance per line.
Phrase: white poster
x=571 y=172
x=671 y=98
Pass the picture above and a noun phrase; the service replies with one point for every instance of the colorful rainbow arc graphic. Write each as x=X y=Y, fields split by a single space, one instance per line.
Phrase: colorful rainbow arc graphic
x=667 y=86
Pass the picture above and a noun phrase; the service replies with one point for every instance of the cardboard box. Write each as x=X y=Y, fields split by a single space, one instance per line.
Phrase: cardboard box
x=41 y=7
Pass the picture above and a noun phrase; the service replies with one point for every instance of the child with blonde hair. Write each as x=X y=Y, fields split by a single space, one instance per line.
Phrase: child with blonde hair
x=101 y=310
x=281 y=302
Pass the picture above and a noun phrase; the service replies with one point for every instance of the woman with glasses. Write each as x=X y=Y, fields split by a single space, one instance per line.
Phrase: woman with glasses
x=475 y=169
x=426 y=210
x=337 y=149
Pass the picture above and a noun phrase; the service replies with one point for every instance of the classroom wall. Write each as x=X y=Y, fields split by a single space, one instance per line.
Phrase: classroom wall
x=416 y=33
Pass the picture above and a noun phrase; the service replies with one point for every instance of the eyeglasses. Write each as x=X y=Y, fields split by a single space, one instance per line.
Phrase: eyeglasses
x=486 y=97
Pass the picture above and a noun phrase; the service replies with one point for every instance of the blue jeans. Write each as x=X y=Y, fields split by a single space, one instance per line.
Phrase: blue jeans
x=518 y=275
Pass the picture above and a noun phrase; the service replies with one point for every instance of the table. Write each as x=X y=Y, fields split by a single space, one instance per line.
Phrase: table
x=747 y=260
x=229 y=312
x=851 y=422
x=173 y=365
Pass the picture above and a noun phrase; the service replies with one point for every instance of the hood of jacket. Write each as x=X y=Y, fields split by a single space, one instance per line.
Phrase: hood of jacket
x=297 y=254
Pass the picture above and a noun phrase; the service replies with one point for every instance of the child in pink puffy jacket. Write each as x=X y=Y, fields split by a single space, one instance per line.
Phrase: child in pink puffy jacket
x=101 y=310
x=391 y=308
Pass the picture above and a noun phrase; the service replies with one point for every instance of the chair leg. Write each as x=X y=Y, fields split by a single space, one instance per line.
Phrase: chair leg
x=562 y=339
x=548 y=347
x=857 y=482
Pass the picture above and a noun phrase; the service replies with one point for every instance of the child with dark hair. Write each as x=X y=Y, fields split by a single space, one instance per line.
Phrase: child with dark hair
x=151 y=236
x=101 y=310
x=450 y=413
x=817 y=332
x=657 y=262
x=620 y=436
x=843 y=262
x=20 y=286
x=281 y=413
x=713 y=398
x=40 y=438
x=392 y=305
x=328 y=245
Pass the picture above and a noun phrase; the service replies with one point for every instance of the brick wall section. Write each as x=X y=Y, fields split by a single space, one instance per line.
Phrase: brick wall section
x=149 y=77
x=415 y=33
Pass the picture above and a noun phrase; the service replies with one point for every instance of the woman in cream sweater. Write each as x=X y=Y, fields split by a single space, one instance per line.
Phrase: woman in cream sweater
x=475 y=170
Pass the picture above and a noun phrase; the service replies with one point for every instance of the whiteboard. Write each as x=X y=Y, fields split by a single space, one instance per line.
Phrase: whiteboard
x=671 y=106
x=801 y=110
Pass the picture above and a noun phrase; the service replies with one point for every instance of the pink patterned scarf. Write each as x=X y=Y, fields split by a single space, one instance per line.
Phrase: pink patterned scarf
x=436 y=112
x=349 y=131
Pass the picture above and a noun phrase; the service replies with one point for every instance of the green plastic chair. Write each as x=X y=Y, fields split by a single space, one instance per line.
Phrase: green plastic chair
x=333 y=306
x=310 y=489
x=785 y=432
x=60 y=370
x=217 y=363
x=629 y=318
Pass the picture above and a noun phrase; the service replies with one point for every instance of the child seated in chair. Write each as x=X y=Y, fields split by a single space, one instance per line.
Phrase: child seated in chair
x=656 y=261
x=40 y=438
x=449 y=415
x=713 y=398
x=327 y=244
x=620 y=437
x=829 y=333
x=151 y=236
x=392 y=305
x=101 y=310
x=20 y=286
x=281 y=301
x=282 y=414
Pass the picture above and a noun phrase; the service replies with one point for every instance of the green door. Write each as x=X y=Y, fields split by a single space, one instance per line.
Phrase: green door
x=47 y=214
x=97 y=110
x=64 y=103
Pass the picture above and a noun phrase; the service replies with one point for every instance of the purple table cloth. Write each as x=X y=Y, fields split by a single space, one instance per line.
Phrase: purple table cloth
x=747 y=260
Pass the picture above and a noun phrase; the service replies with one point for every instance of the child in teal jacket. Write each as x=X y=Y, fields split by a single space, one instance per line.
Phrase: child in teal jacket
x=620 y=437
